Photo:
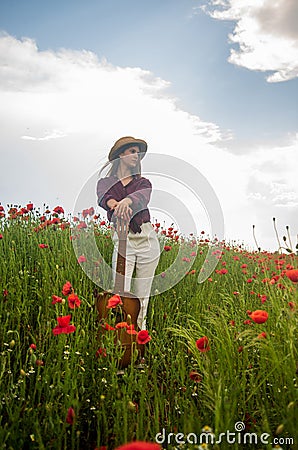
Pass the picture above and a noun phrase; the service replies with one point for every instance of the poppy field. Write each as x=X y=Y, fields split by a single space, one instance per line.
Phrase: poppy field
x=215 y=354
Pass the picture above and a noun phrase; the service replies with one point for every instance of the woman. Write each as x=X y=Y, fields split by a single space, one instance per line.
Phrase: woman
x=125 y=194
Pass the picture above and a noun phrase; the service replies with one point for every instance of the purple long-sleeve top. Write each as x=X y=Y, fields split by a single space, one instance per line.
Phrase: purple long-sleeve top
x=138 y=190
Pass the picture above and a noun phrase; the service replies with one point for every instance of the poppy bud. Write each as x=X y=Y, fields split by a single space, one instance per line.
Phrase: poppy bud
x=279 y=429
x=131 y=406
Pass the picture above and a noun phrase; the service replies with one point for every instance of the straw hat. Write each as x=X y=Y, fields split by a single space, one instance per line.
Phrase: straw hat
x=125 y=142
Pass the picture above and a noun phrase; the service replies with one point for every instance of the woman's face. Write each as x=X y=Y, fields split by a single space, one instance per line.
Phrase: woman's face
x=130 y=157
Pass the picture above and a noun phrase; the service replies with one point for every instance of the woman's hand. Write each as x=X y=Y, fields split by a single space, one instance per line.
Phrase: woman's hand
x=123 y=210
x=112 y=203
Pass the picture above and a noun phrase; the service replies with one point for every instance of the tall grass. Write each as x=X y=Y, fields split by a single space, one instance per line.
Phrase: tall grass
x=244 y=376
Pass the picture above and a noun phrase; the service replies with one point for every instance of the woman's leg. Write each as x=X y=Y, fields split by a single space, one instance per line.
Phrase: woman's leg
x=147 y=258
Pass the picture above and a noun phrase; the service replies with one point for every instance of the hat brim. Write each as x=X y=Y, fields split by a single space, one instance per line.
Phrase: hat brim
x=117 y=150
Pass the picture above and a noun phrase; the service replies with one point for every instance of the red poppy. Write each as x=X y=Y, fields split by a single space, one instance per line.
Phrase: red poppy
x=55 y=220
x=82 y=225
x=202 y=344
x=265 y=280
x=101 y=352
x=130 y=329
x=39 y=362
x=262 y=335
x=139 y=445
x=13 y=211
x=1 y=236
x=64 y=226
x=107 y=327
x=259 y=316
x=56 y=299
x=73 y=301
x=195 y=376
x=247 y=322
x=143 y=337
x=63 y=325
x=167 y=248
x=33 y=346
x=292 y=275
x=121 y=325
x=114 y=301
x=70 y=417
x=67 y=288
x=30 y=206
x=58 y=210
x=1 y=208
x=82 y=259
x=43 y=245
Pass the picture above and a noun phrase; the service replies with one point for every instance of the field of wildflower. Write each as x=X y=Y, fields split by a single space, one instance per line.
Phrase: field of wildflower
x=218 y=356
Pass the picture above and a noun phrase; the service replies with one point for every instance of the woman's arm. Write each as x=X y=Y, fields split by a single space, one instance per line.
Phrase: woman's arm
x=104 y=194
x=141 y=196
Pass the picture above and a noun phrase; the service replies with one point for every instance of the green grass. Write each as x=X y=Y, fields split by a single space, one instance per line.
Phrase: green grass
x=243 y=377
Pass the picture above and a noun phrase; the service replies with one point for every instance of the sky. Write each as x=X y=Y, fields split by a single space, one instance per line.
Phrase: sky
x=212 y=82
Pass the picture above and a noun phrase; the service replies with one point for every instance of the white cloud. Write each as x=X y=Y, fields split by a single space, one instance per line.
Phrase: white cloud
x=265 y=33
x=272 y=189
x=54 y=134
x=61 y=111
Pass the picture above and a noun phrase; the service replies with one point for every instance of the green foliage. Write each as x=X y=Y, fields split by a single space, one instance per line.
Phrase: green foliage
x=243 y=377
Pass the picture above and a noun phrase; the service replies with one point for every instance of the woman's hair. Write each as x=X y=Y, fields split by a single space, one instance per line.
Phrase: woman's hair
x=136 y=171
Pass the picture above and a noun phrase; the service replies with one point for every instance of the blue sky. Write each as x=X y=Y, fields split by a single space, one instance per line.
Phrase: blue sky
x=183 y=50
